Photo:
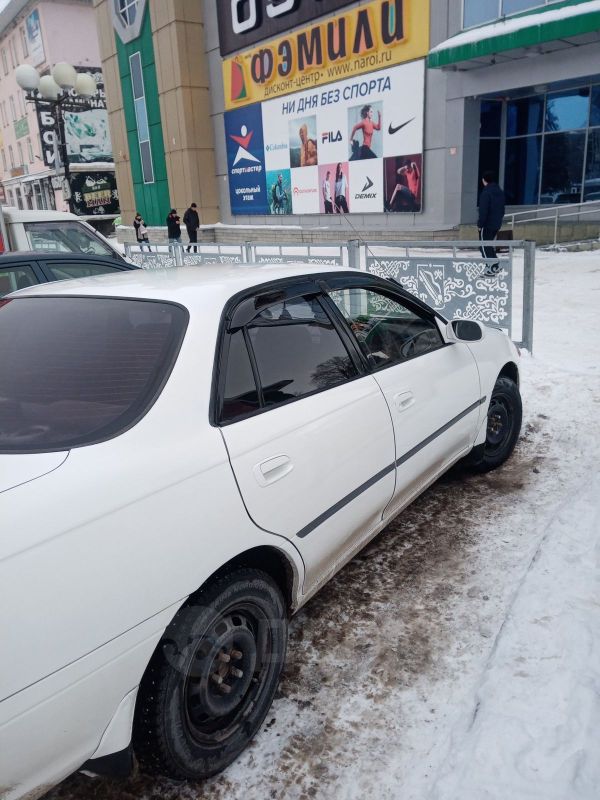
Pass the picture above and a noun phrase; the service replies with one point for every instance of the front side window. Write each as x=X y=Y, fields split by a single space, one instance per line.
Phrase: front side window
x=387 y=331
x=13 y=278
x=65 y=237
x=79 y=370
x=64 y=271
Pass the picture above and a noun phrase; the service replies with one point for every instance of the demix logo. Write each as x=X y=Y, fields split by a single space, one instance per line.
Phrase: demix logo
x=365 y=194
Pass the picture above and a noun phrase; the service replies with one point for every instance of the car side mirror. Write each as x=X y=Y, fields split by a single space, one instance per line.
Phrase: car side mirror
x=465 y=330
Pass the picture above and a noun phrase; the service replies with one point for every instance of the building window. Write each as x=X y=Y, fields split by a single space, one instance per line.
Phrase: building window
x=13 y=53
x=4 y=165
x=30 y=151
x=549 y=146
x=4 y=61
x=141 y=116
x=478 y=12
x=490 y=138
x=19 y=198
x=11 y=156
x=128 y=11
x=20 y=152
x=13 y=109
x=24 y=47
x=9 y=195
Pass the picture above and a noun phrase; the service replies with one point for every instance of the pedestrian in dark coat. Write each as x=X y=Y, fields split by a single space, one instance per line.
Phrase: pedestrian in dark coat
x=492 y=205
x=173 y=227
x=191 y=220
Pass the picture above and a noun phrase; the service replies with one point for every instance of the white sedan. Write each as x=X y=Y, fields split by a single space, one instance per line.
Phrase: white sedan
x=186 y=456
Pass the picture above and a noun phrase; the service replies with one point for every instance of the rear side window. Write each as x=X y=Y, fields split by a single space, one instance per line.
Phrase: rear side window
x=75 y=371
x=297 y=351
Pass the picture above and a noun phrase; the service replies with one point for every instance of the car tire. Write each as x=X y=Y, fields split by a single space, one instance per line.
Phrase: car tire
x=505 y=414
x=212 y=678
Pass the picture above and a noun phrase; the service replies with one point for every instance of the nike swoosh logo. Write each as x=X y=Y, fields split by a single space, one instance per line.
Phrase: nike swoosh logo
x=392 y=130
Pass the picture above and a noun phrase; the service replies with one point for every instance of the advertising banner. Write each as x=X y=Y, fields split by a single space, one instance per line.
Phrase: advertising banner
x=379 y=34
x=35 y=43
x=94 y=193
x=87 y=133
x=246 y=161
x=355 y=146
x=245 y=22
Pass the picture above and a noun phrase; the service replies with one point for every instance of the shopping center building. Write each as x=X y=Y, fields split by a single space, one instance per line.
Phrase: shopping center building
x=376 y=116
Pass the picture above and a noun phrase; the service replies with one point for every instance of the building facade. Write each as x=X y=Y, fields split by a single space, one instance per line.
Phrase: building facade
x=42 y=33
x=351 y=116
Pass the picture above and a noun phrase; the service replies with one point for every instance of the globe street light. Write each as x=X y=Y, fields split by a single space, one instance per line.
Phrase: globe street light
x=63 y=91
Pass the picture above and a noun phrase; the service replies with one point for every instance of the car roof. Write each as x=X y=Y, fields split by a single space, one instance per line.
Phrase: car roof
x=199 y=287
x=18 y=256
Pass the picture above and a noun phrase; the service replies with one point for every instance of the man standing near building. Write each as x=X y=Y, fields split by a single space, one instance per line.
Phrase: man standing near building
x=173 y=227
x=491 y=215
x=191 y=220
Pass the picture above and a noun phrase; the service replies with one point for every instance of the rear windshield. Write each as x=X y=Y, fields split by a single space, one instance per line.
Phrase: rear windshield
x=78 y=370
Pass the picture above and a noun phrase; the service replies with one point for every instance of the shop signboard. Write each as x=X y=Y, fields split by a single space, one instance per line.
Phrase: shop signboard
x=354 y=146
x=87 y=133
x=374 y=36
x=94 y=193
x=35 y=42
x=245 y=22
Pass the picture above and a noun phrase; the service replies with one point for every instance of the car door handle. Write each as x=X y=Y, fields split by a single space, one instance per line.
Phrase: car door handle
x=273 y=469
x=404 y=400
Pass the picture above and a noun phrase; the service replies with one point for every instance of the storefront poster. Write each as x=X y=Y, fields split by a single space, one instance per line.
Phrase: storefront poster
x=94 y=193
x=377 y=35
x=367 y=132
x=35 y=43
x=246 y=161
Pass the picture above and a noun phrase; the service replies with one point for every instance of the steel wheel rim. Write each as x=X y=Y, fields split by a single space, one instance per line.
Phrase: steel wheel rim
x=500 y=424
x=239 y=640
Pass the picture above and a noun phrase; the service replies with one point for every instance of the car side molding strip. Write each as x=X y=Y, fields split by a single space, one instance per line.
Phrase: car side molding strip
x=308 y=529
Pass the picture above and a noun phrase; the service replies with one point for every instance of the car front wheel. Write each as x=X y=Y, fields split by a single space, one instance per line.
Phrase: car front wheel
x=505 y=413
x=212 y=679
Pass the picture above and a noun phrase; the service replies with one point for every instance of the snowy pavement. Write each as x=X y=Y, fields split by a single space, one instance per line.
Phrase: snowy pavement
x=458 y=656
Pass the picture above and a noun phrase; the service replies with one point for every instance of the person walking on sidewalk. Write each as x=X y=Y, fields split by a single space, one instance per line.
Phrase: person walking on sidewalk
x=491 y=214
x=173 y=227
x=141 y=232
x=191 y=220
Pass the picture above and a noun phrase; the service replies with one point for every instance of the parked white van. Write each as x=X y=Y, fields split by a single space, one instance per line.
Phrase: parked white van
x=51 y=231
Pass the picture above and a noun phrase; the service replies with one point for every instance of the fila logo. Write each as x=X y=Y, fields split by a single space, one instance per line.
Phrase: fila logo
x=331 y=137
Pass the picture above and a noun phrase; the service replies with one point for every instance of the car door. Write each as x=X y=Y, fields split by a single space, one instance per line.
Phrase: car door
x=309 y=435
x=14 y=276
x=432 y=388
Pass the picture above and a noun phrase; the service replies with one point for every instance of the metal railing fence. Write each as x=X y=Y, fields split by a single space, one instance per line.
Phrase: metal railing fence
x=451 y=276
x=554 y=214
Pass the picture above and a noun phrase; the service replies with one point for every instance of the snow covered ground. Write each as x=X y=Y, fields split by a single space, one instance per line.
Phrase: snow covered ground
x=458 y=656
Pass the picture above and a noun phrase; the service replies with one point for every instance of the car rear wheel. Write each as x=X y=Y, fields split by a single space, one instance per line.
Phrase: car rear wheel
x=212 y=679
x=505 y=413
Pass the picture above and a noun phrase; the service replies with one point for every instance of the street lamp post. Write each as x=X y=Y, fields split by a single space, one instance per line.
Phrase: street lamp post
x=64 y=90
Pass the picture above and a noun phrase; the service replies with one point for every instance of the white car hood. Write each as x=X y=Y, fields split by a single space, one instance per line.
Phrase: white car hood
x=16 y=469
